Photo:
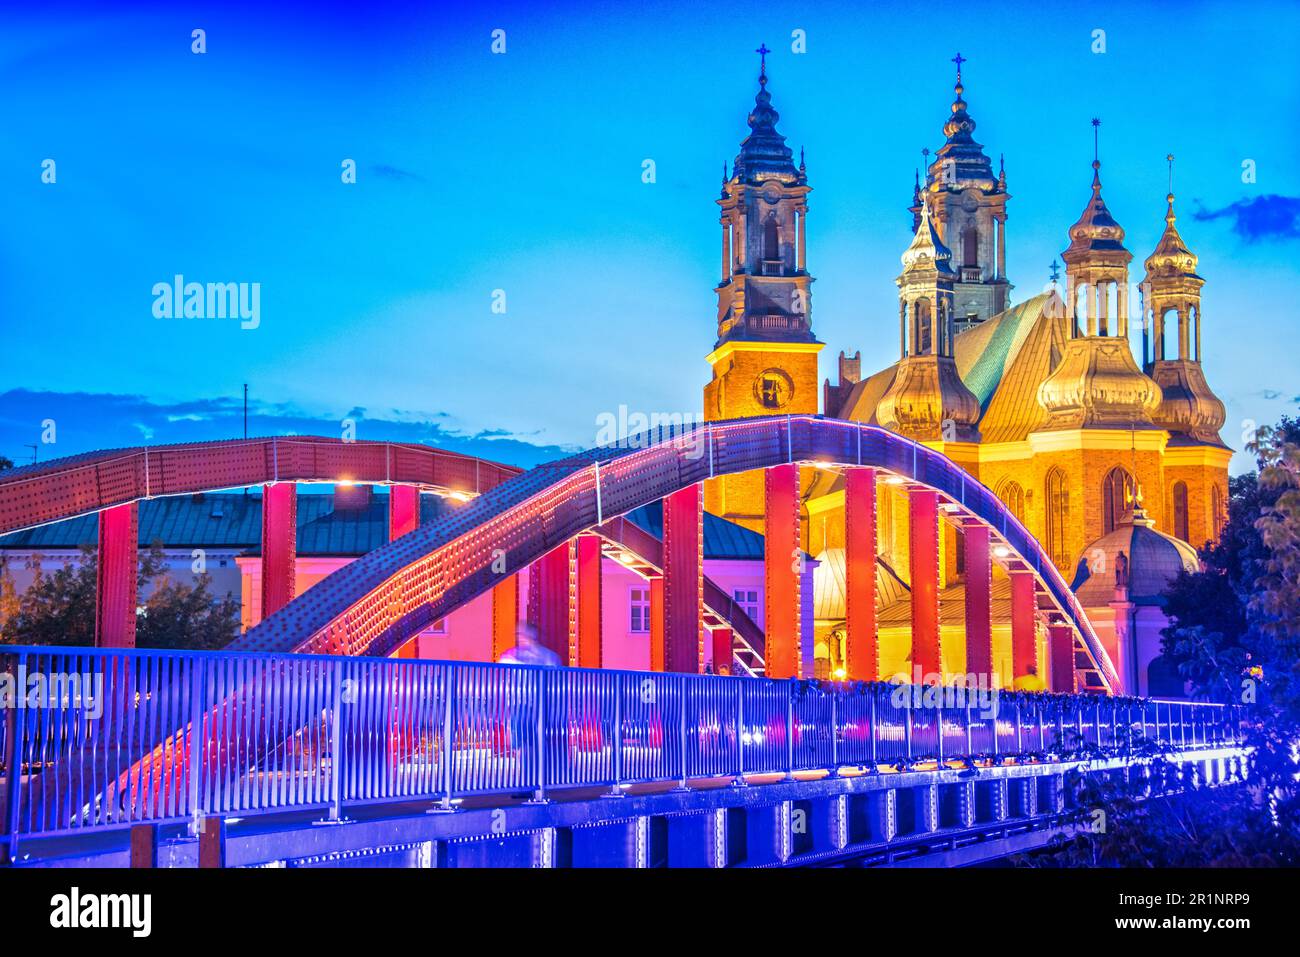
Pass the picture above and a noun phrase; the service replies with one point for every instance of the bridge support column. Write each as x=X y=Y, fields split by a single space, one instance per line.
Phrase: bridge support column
x=1051 y=793
x=927 y=808
x=144 y=845
x=403 y=510
x=1024 y=795
x=882 y=815
x=994 y=802
x=783 y=567
x=684 y=580
x=590 y=648
x=1060 y=642
x=979 y=601
x=279 y=545
x=657 y=662
x=550 y=600
x=505 y=615
x=927 y=651
x=722 y=651
x=963 y=803
x=115 y=588
x=1024 y=609
x=861 y=651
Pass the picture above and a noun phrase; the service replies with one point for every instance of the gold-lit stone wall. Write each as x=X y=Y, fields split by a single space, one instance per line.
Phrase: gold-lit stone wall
x=743 y=375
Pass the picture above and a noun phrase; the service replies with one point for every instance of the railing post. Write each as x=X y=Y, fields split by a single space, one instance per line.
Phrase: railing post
x=617 y=791
x=938 y=729
x=875 y=729
x=907 y=732
x=539 y=793
x=835 y=730
x=681 y=783
x=789 y=730
x=336 y=741
x=1020 y=745
x=198 y=682
x=13 y=777
x=970 y=741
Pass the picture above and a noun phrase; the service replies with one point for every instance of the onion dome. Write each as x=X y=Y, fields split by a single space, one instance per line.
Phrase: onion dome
x=764 y=151
x=1134 y=557
x=1171 y=258
x=961 y=162
x=927 y=250
x=1098 y=385
x=1096 y=237
x=927 y=401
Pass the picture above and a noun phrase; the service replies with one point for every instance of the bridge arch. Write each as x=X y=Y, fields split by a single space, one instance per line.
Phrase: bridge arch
x=373 y=604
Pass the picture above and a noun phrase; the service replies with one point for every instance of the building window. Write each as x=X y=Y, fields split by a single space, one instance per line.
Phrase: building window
x=439 y=627
x=1180 y=511
x=748 y=600
x=970 y=242
x=1057 y=501
x=1116 y=498
x=1220 y=513
x=771 y=240
x=1013 y=497
x=639 y=603
x=924 y=333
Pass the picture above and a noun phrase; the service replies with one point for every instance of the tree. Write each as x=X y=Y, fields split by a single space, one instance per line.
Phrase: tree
x=1234 y=634
x=59 y=608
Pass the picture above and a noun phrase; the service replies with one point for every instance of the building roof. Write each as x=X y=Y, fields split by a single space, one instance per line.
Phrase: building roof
x=233 y=520
x=1153 y=561
x=1002 y=361
x=829 y=588
x=722 y=539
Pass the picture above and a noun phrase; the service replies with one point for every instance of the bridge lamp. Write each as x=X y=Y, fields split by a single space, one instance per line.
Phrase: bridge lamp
x=1001 y=551
x=459 y=496
x=626 y=558
x=345 y=483
x=894 y=480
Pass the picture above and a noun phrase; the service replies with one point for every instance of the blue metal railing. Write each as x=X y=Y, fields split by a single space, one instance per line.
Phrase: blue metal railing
x=134 y=736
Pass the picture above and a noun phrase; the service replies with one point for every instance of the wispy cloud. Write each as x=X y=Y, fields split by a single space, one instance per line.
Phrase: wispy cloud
x=87 y=421
x=1263 y=218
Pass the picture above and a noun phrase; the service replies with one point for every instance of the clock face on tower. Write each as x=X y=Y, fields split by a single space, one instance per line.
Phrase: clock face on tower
x=773 y=389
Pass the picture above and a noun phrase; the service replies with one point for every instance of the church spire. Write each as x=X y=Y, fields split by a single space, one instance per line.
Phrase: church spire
x=764 y=149
x=1171 y=288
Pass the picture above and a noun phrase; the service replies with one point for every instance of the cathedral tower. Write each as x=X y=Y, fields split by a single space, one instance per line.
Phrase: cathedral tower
x=765 y=358
x=927 y=400
x=969 y=207
x=1196 y=462
x=1099 y=448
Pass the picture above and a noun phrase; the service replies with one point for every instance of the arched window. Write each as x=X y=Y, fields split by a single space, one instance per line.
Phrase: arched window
x=1057 y=502
x=1013 y=497
x=1116 y=498
x=1220 y=511
x=970 y=246
x=771 y=240
x=1180 y=511
x=924 y=327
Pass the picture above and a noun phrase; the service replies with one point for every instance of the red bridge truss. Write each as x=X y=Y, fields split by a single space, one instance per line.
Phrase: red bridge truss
x=556 y=517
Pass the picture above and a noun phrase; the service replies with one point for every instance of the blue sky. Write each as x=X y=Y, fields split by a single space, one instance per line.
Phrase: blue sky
x=522 y=172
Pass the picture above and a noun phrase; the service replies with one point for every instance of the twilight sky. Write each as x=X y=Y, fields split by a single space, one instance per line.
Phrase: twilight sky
x=522 y=172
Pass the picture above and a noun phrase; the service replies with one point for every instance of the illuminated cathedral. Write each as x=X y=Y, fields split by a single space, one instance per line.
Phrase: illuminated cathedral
x=1115 y=465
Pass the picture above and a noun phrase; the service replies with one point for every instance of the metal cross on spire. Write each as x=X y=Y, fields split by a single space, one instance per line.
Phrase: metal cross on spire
x=762 y=52
x=1056 y=272
x=1170 y=160
x=1096 y=141
x=959 y=60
